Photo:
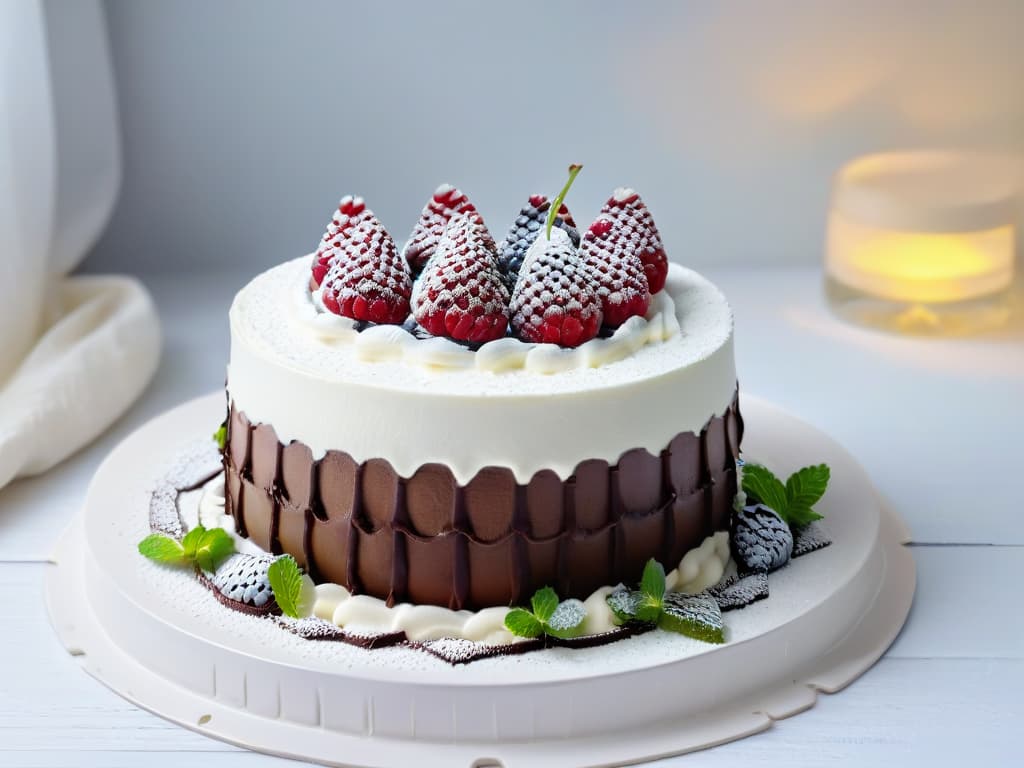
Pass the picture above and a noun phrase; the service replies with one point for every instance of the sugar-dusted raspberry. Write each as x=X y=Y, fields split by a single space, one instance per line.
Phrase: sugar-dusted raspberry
x=369 y=280
x=616 y=270
x=446 y=203
x=460 y=293
x=632 y=222
x=351 y=211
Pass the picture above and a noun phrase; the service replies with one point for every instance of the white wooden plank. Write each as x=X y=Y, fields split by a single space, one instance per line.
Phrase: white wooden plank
x=101 y=758
x=936 y=422
x=967 y=604
x=903 y=712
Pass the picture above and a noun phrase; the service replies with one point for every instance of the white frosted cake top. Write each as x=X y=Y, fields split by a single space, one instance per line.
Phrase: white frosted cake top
x=276 y=316
x=323 y=393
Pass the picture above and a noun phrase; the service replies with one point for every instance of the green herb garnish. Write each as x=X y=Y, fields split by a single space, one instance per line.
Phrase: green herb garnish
x=200 y=548
x=696 y=616
x=793 y=502
x=548 y=616
x=220 y=437
x=286 y=580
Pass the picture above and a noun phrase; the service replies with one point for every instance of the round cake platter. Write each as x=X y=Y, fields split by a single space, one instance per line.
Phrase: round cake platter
x=162 y=641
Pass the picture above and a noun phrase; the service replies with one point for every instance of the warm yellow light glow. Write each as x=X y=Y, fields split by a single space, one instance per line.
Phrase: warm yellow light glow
x=929 y=268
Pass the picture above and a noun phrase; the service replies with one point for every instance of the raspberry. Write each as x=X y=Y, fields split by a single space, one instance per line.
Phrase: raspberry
x=524 y=230
x=617 y=272
x=554 y=301
x=368 y=279
x=351 y=212
x=631 y=221
x=460 y=293
x=446 y=202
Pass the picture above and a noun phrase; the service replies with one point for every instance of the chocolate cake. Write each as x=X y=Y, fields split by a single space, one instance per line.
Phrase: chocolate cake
x=443 y=439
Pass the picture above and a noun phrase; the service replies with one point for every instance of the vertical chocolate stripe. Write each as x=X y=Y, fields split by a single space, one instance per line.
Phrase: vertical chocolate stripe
x=277 y=486
x=352 y=562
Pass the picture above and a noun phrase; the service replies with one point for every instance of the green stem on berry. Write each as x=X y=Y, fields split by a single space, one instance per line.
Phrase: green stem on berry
x=574 y=169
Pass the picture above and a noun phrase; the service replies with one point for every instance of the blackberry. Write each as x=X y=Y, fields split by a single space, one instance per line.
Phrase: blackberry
x=524 y=230
x=761 y=540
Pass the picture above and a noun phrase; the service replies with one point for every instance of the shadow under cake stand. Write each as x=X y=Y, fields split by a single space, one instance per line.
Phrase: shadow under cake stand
x=182 y=655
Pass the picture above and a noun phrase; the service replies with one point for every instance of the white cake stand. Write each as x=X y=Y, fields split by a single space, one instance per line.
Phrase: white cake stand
x=161 y=641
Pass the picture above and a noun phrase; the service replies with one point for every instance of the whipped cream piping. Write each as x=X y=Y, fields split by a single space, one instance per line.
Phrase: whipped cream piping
x=702 y=567
x=393 y=343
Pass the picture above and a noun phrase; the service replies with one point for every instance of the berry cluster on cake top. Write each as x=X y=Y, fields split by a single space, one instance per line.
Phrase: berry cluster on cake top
x=544 y=283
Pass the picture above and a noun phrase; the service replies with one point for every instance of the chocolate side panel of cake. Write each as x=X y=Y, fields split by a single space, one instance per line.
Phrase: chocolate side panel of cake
x=428 y=540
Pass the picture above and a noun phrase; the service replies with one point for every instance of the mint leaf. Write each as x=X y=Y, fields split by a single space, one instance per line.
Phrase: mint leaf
x=804 y=489
x=214 y=545
x=696 y=616
x=624 y=603
x=190 y=544
x=286 y=581
x=162 y=549
x=652 y=583
x=544 y=603
x=567 y=619
x=798 y=518
x=220 y=437
x=648 y=608
x=760 y=483
x=522 y=623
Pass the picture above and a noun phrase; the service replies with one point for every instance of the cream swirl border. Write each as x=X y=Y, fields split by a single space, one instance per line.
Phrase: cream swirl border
x=382 y=343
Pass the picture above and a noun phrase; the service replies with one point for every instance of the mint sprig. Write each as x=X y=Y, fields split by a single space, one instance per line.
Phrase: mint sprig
x=220 y=437
x=549 y=616
x=286 y=581
x=696 y=616
x=794 y=502
x=200 y=548
x=521 y=623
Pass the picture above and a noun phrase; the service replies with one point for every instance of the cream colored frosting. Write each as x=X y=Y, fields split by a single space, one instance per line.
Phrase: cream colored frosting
x=423 y=401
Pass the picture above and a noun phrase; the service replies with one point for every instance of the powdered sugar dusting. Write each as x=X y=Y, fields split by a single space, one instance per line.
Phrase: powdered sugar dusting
x=810 y=538
x=569 y=614
x=194 y=464
x=740 y=592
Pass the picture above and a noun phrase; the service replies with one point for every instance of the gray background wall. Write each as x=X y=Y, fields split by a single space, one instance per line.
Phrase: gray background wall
x=244 y=122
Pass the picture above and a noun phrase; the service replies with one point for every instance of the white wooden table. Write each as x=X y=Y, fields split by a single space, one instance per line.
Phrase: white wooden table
x=938 y=424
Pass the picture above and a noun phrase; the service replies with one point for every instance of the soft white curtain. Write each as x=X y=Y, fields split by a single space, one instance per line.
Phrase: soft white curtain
x=75 y=352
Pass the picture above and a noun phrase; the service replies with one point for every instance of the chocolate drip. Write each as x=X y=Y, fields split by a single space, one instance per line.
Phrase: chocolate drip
x=428 y=540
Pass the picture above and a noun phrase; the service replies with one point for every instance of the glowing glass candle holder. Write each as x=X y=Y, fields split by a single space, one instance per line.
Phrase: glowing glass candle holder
x=922 y=242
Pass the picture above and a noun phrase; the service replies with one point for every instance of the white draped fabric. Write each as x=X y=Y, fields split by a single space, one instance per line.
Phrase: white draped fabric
x=75 y=352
